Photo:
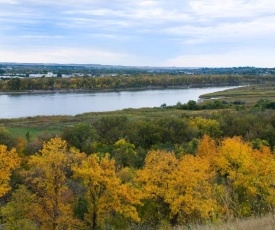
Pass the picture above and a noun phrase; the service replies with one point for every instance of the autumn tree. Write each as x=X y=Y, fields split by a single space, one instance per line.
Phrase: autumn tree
x=181 y=188
x=190 y=195
x=207 y=149
x=246 y=177
x=47 y=177
x=206 y=126
x=106 y=196
x=153 y=180
x=9 y=160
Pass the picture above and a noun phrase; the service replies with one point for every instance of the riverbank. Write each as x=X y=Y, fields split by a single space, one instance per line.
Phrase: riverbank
x=53 y=91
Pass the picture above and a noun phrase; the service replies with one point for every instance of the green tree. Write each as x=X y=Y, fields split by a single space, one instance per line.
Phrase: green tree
x=19 y=213
x=111 y=129
x=6 y=138
x=14 y=84
x=124 y=153
x=80 y=136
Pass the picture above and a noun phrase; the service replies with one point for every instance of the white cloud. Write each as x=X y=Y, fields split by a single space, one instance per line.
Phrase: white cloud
x=231 y=8
x=63 y=55
x=8 y=2
x=225 y=31
x=135 y=27
x=233 y=59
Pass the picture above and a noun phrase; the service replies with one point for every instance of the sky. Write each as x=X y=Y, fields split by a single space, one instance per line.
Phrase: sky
x=167 y=33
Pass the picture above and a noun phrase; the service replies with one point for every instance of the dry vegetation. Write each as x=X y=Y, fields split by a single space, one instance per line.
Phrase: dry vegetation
x=256 y=223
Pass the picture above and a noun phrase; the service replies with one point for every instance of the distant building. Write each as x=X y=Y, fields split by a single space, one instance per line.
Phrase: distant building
x=32 y=75
x=49 y=74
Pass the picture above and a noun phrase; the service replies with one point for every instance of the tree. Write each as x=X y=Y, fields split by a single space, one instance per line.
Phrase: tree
x=111 y=129
x=47 y=178
x=124 y=153
x=191 y=105
x=207 y=148
x=206 y=126
x=80 y=136
x=181 y=188
x=106 y=195
x=153 y=180
x=9 y=160
x=246 y=177
x=190 y=195
x=20 y=212
x=14 y=84
x=6 y=138
x=144 y=133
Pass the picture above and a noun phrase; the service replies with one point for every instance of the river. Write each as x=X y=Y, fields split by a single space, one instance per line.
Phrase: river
x=27 y=105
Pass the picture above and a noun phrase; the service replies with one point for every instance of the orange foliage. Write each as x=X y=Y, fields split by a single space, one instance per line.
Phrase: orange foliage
x=105 y=192
x=9 y=160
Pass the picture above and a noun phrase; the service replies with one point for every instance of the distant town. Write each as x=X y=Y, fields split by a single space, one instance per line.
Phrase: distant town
x=29 y=70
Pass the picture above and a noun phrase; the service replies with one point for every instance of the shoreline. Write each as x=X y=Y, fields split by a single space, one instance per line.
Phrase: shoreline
x=54 y=91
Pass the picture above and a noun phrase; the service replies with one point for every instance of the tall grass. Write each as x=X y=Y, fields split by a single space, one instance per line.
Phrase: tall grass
x=253 y=223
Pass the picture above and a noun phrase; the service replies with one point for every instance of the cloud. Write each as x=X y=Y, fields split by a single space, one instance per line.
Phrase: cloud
x=63 y=55
x=233 y=59
x=146 y=31
x=213 y=9
x=8 y=2
x=227 y=31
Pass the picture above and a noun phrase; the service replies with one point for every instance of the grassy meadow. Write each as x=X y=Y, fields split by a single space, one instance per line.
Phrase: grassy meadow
x=249 y=94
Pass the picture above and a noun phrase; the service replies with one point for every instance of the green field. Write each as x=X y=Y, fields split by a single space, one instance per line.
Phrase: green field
x=249 y=94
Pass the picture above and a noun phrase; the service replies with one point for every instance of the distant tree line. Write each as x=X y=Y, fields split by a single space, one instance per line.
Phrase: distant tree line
x=98 y=70
x=127 y=82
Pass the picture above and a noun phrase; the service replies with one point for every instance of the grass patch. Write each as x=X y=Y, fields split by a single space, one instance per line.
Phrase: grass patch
x=249 y=94
x=253 y=223
x=21 y=132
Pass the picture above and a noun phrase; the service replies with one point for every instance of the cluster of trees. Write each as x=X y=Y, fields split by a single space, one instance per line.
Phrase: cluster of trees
x=209 y=104
x=260 y=105
x=61 y=188
x=124 y=82
x=120 y=173
x=264 y=104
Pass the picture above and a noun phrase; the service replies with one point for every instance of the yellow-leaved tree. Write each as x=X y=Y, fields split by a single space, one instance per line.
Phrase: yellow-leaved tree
x=106 y=195
x=190 y=195
x=247 y=177
x=153 y=180
x=47 y=178
x=207 y=148
x=9 y=160
x=206 y=126
x=179 y=190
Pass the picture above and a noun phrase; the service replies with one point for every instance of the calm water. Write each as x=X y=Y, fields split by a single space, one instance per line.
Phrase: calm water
x=14 y=106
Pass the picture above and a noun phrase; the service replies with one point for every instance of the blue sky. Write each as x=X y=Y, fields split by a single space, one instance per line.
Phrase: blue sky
x=183 y=33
